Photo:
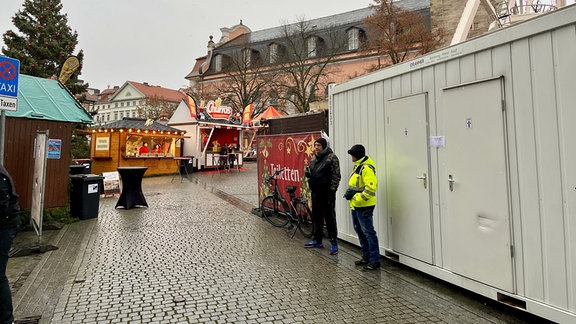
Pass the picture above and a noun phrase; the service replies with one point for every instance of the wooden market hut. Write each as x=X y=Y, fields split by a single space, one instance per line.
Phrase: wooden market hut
x=43 y=105
x=117 y=144
x=297 y=123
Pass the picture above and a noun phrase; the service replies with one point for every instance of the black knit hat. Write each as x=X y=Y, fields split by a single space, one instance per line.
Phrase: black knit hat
x=322 y=142
x=358 y=151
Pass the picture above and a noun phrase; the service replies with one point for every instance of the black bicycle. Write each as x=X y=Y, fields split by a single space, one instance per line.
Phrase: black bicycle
x=280 y=212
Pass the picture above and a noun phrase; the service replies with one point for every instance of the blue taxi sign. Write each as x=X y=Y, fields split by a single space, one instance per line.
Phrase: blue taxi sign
x=9 y=71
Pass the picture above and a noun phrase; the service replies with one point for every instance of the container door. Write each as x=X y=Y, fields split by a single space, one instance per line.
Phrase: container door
x=475 y=221
x=408 y=175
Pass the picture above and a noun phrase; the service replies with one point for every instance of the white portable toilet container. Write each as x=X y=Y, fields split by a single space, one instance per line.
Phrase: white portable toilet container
x=475 y=162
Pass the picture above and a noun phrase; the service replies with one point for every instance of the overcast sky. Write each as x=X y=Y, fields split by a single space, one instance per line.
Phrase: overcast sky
x=158 y=41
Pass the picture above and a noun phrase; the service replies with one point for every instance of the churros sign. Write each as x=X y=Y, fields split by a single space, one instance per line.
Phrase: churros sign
x=217 y=111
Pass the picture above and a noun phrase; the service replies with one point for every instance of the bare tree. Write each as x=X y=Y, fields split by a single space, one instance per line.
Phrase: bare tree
x=201 y=92
x=302 y=61
x=398 y=34
x=246 y=80
x=156 y=107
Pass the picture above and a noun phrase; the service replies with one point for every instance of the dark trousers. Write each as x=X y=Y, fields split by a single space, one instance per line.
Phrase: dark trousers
x=6 y=239
x=323 y=210
x=231 y=158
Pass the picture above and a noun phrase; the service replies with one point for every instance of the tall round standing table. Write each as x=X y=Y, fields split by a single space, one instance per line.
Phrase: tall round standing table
x=131 y=195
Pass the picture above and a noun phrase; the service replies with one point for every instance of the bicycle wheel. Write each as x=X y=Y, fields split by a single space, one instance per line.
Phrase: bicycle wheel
x=306 y=225
x=274 y=212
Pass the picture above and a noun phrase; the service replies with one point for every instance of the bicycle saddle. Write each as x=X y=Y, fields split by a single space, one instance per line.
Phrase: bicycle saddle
x=290 y=189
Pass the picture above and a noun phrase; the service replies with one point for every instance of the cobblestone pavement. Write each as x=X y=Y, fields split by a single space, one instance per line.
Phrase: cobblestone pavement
x=192 y=257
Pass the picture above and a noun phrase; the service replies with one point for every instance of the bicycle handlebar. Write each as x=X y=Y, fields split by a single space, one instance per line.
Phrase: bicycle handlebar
x=275 y=174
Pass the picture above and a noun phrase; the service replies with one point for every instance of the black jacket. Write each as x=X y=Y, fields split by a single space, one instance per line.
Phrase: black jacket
x=9 y=208
x=324 y=171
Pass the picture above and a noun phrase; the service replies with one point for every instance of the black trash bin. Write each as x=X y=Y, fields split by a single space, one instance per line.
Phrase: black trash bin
x=87 y=167
x=77 y=169
x=85 y=195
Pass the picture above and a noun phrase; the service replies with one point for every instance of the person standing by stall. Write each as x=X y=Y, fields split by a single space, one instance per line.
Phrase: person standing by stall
x=232 y=155
x=361 y=193
x=9 y=225
x=144 y=149
x=223 y=160
x=323 y=178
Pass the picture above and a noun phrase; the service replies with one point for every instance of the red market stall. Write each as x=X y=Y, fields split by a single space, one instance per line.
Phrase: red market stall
x=208 y=128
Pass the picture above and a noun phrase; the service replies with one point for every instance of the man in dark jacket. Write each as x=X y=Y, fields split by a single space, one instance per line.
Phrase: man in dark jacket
x=9 y=225
x=323 y=178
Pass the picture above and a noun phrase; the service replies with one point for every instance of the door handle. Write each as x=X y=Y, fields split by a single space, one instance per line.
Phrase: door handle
x=424 y=180
x=451 y=182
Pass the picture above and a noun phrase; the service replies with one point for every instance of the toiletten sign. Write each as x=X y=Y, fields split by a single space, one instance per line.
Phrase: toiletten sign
x=291 y=152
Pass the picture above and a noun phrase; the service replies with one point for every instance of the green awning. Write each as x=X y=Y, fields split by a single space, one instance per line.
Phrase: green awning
x=47 y=99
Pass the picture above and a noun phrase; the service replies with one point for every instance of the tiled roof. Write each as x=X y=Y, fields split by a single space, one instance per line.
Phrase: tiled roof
x=342 y=19
x=137 y=123
x=106 y=94
x=91 y=97
x=108 y=91
x=321 y=23
x=150 y=91
x=196 y=68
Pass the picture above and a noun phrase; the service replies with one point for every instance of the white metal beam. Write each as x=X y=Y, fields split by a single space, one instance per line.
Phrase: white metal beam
x=465 y=23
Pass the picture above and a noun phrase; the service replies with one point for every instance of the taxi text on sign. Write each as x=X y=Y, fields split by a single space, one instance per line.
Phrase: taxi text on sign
x=9 y=71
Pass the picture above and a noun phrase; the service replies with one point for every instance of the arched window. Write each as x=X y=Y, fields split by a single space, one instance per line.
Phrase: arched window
x=312 y=46
x=247 y=57
x=353 y=39
x=218 y=63
x=274 y=52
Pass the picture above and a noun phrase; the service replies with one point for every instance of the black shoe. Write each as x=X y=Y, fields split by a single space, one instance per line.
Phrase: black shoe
x=28 y=320
x=371 y=266
x=361 y=262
